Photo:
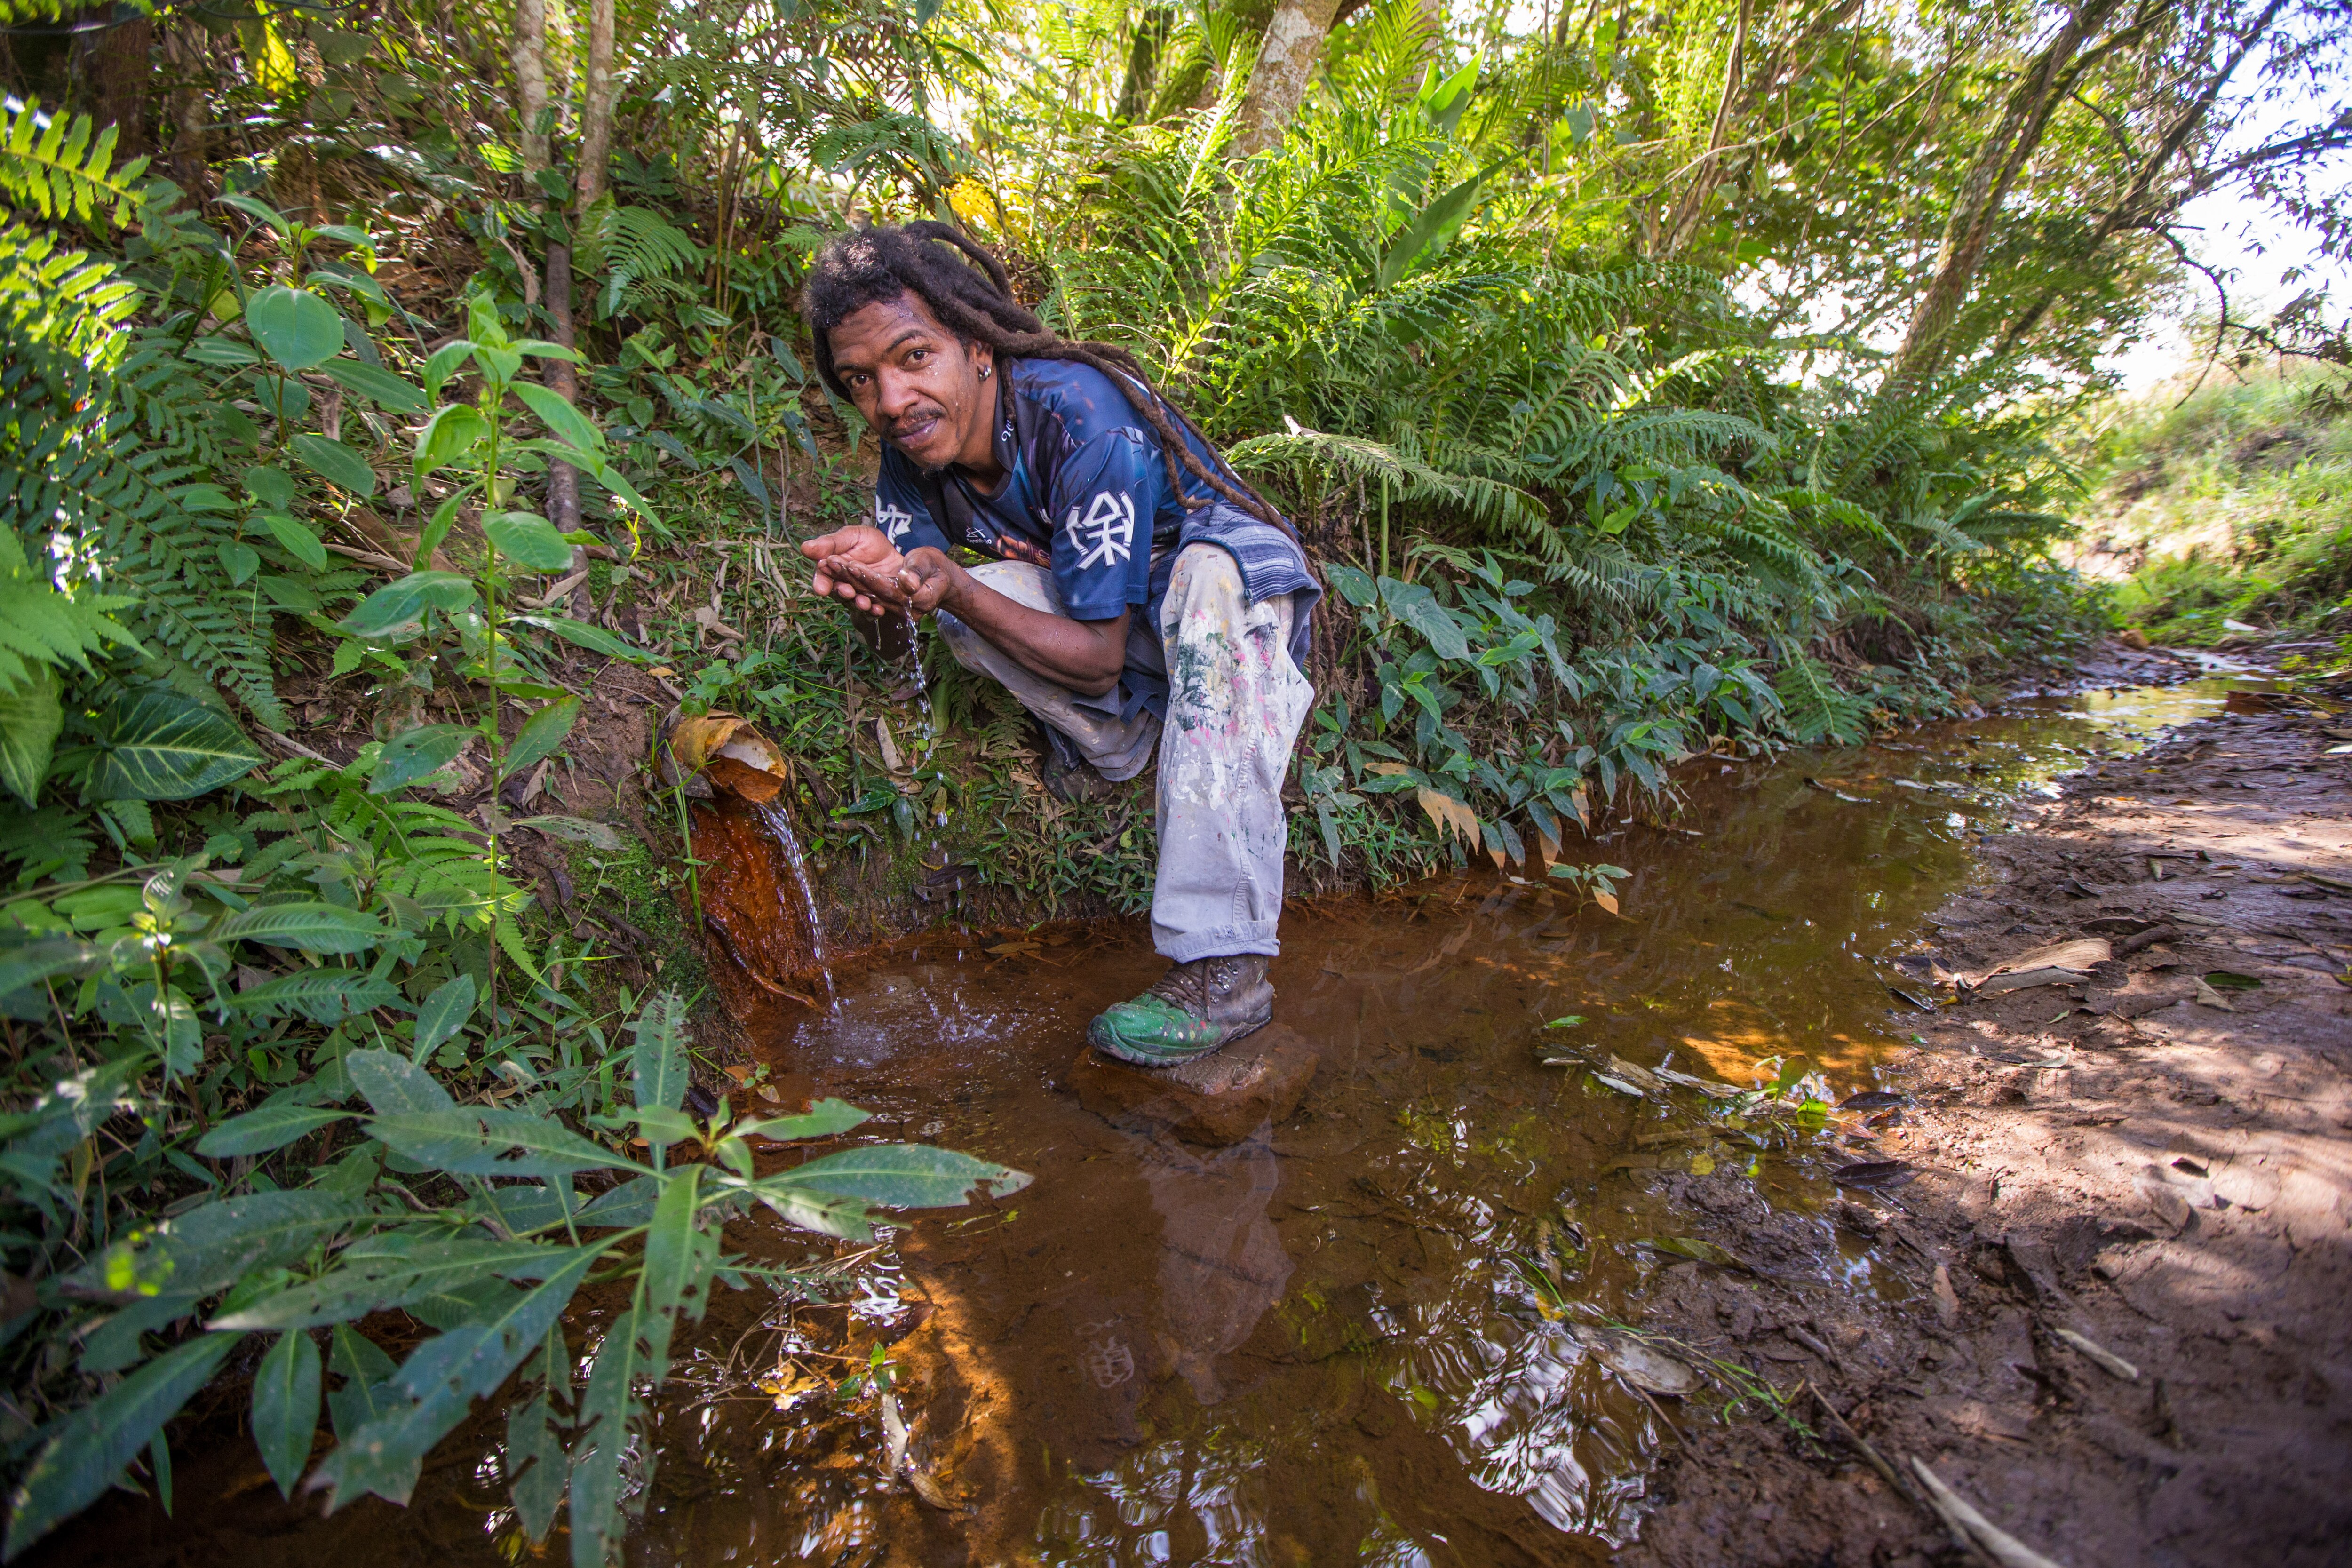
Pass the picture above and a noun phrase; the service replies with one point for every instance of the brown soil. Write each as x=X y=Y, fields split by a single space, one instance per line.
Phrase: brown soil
x=2160 y=1169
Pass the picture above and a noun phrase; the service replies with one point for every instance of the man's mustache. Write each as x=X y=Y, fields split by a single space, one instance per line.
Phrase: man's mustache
x=928 y=415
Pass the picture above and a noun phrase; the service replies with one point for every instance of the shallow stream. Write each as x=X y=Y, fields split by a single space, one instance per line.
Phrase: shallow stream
x=1324 y=1344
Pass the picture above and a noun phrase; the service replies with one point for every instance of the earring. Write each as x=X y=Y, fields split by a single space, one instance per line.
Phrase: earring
x=985 y=371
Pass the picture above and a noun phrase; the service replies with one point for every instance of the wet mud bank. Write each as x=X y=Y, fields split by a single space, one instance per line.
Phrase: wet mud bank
x=2113 y=1314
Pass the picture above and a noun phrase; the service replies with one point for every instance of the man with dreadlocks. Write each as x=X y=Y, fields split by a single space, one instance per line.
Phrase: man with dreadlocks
x=1135 y=592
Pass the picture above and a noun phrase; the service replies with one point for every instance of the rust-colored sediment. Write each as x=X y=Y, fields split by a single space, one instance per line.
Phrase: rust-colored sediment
x=761 y=948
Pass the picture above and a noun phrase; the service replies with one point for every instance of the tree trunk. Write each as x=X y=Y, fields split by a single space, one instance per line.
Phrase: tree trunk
x=1709 y=174
x=184 y=47
x=596 y=104
x=2128 y=208
x=530 y=83
x=1278 y=83
x=1150 y=41
x=1977 y=205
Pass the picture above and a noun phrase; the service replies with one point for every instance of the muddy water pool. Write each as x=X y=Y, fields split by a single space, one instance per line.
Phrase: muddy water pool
x=1332 y=1342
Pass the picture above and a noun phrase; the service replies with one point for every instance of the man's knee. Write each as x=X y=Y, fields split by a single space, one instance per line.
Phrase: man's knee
x=1018 y=581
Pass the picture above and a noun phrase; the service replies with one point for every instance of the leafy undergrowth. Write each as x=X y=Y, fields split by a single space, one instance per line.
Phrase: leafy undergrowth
x=2233 y=505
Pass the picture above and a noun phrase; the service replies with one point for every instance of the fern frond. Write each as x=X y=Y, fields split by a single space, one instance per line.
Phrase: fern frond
x=54 y=164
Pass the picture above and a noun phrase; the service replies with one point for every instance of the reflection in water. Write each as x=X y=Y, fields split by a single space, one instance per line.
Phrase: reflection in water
x=1320 y=1345
x=1221 y=1263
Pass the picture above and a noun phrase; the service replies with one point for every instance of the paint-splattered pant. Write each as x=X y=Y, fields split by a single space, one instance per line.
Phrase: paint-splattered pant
x=1235 y=702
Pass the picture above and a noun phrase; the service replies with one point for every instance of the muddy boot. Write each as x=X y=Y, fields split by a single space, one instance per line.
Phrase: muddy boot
x=1067 y=775
x=1195 y=1008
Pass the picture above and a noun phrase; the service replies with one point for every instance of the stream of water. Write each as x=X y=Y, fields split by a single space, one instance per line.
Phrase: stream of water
x=1314 y=1346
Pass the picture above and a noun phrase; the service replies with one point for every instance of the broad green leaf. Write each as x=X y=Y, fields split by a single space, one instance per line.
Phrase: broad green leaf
x=88 y=1449
x=447 y=1011
x=555 y=411
x=30 y=718
x=375 y=384
x=541 y=733
x=444 y=363
x=823 y=1120
x=294 y=327
x=392 y=1085
x=286 y=1407
x=479 y=1140
x=535 y=1464
x=441 y=1378
x=1435 y=223
x=29 y=961
x=416 y=753
x=160 y=745
x=298 y=539
x=596 y=639
x=903 y=1175
x=321 y=996
x=336 y=463
x=1417 y=607
x=207 y=1248
x=678 y=1258
x=448 y=436
x=367 y=1393
x=527 y=540
x=1355 y=586
x=260 y=1132
x=404 y=602
x=310 y=927
x=371 y=1281
x=659 y=1062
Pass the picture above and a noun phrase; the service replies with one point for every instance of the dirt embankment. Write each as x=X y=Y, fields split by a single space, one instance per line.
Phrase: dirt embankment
x=2151 y=1163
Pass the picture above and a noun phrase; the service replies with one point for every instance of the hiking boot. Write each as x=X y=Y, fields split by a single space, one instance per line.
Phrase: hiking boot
x=1194 y=1009
x=1067 y=775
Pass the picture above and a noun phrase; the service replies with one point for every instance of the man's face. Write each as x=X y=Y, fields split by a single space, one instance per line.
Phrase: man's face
x=916 y=382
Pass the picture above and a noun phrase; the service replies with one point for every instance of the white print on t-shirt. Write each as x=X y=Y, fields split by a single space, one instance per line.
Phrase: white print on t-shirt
x=895 y=521
x=1106 y=533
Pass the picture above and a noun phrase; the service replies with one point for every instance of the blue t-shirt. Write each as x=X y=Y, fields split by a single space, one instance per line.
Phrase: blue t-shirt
x=1087 y=495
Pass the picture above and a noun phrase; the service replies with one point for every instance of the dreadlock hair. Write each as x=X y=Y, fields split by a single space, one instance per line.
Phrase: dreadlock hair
x=969 y=291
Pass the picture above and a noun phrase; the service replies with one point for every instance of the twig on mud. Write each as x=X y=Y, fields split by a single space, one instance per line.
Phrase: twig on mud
x=1963 y=1520
x=1871 y=1455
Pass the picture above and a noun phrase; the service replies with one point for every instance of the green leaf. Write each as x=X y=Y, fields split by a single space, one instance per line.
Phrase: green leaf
x=403 y=603
x=563 y=421
x=29 y=961
x=596 y=639
x=160 y=745
x=375 y=384
x=541 y=733
x=1354 y=586
x=578 y=830
x=440 y=1380
x=393 y=1084
x=678 y=1258
x=298 y=539
x=481 y=1141
x=535 y=1461
x=336 y=463
x=823 y=1120
x=415 y=754
x=375 y=1282
x=1435 y=224
x=30 y=718
x=444 y=365
x=321 y=996
x=1417 y=607
x=294 y=327
x=207 y=1248
x=286 y=1407
x=447 y=1011
x=902 y=1175
x=260 y=1132
x=527 y=540
x=89 y=1448
x=450 y=435
x=658 y=1062
x=310 y=927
